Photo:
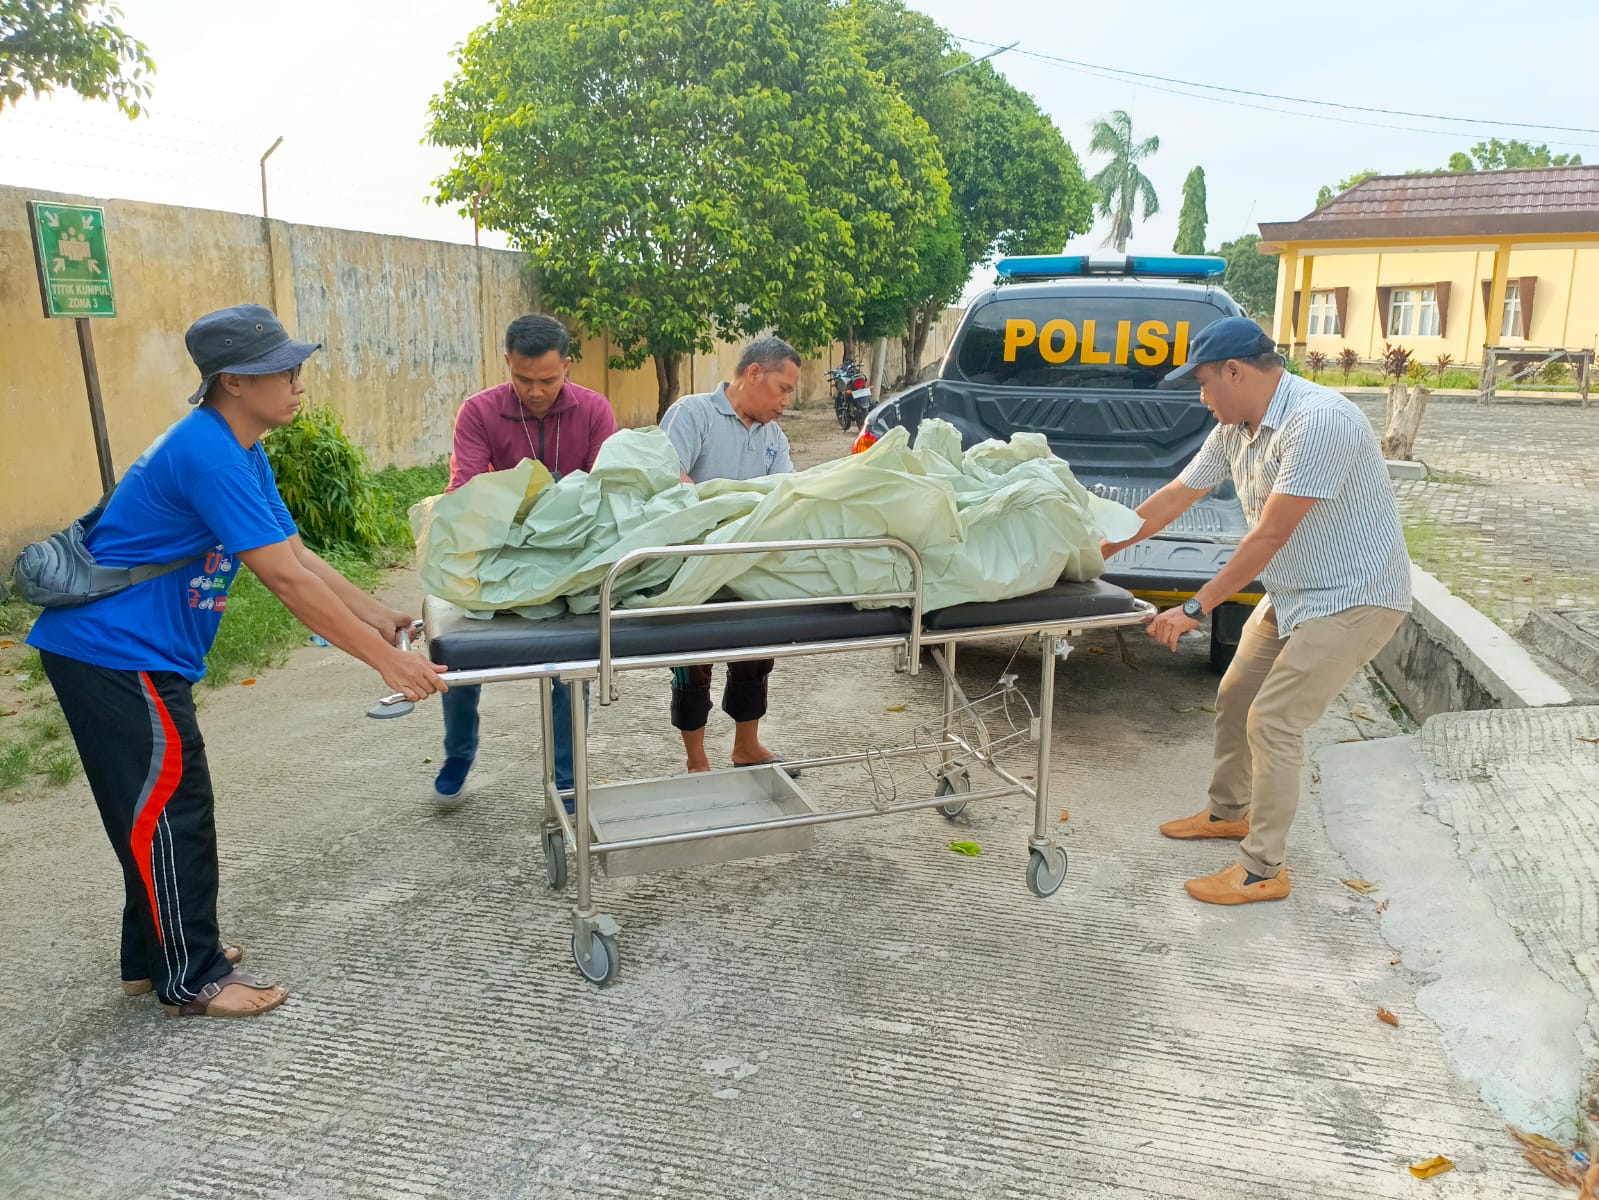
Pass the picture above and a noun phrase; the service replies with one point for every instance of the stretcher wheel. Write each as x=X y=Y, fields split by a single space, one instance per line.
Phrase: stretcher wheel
x=1046 y=871
x=957 y=785
x=604 y=959
x=555 y=858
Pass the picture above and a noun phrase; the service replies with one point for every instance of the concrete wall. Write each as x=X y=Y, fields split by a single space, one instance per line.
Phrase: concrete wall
x=409 y=327
x=1448 y=657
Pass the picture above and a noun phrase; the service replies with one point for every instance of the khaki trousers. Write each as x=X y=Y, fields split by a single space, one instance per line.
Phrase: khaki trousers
x=1275 y=690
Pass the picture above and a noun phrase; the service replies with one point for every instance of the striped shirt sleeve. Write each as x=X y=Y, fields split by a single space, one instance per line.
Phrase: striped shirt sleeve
x=1317 y=453
x=1209 y=467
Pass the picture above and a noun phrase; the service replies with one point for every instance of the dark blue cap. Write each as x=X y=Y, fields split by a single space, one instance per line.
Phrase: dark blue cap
x=246 y=339
x=1230 y=337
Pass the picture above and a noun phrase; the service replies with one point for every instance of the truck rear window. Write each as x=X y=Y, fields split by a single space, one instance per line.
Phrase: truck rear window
x=1122 y=342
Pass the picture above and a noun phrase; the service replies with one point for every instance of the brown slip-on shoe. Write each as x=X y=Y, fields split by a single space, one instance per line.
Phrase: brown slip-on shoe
x=234 y=995
x=141 y=987
x=1231 y=887
x=1201 y=826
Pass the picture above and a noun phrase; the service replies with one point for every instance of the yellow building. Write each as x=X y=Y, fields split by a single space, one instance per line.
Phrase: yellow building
x=1443 y=264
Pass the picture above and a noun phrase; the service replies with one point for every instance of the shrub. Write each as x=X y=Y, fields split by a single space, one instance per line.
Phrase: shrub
x=1415 y=371
x=1293 y=367
x=323 y=479
x=1442 y=362
x=1395 y=359
x=1348 y=360
x=1554 y=372
x=1316 y=361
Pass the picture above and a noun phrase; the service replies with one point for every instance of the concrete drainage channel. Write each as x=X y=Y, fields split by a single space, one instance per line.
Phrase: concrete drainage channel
x=1482 y=830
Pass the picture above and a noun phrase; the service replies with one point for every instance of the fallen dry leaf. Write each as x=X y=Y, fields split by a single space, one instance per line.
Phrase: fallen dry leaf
x=1594 y=741
x=1383 y=906
x=5 y=645
x=1360 y=885
x=12 y=713
x=1556 y=1162
x=1435 y=1165
x=1361 y=714
x=1387 y=1018
x=896 y=708
x=1394 y=962
x=1064 y=817
x=1096 y=649
x=246 y=683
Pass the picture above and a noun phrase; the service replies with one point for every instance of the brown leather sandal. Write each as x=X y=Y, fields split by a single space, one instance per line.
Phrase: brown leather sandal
x=234 y=995
x=139 y=987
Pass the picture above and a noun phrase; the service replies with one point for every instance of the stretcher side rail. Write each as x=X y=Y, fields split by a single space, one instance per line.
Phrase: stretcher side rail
x=633 y=558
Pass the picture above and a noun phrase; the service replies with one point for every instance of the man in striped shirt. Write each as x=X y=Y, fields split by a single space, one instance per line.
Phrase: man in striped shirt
x=1325 y=540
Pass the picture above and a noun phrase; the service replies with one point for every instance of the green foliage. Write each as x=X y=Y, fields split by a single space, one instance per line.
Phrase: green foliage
x=686 y=170
x=399 y=488
x=1415 y=371
x=1015 y=185
x=1251 y=277
x=1495 y=155
x=1329 y=193
x=1294 y=367
x=323 y=479
x=1122 y=188
x=73 y=44
x=1191 y=221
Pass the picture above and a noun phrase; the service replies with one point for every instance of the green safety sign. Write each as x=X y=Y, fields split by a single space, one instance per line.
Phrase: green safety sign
x=74 y=269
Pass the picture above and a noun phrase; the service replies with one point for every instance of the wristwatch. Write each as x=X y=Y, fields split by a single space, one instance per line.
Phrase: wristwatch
x=1192 y=609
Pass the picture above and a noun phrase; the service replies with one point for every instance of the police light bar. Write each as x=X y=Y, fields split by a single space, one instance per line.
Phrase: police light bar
x=1164 y=266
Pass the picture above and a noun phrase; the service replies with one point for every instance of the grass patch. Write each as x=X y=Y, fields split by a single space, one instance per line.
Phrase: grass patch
x=1455 y=478
x=16 y=618
x=258 y=632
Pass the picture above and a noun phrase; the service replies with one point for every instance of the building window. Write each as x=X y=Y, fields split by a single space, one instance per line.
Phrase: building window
x=1413 y=312
x=1510 y=326
x=1323 y=315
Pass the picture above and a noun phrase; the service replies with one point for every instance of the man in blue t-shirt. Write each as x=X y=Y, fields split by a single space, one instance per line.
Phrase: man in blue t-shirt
x=124 y=666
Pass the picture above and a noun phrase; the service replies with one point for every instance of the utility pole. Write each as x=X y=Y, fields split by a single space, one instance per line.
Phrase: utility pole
x=264 y=157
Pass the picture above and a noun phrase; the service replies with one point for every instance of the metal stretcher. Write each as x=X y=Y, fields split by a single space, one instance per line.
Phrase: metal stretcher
x=643 y=826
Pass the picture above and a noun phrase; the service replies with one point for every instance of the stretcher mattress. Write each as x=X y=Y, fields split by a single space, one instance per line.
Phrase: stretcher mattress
x=464 y=643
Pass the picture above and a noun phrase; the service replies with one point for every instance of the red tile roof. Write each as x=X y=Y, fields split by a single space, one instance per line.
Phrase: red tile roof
x=1475 y=203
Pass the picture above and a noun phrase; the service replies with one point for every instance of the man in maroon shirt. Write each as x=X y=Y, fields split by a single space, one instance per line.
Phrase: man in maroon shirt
x=542 y=415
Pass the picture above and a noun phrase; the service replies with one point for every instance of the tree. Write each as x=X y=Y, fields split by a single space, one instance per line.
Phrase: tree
x=1328 y=193
x=1123 y=189
x=1016 y=186
x=669 y=193
x=73 y=44
x=1191 y=221
x=1495 y=155
x=1251 y=277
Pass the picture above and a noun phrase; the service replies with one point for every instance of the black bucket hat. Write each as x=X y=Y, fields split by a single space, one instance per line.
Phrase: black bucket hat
x=246 y=339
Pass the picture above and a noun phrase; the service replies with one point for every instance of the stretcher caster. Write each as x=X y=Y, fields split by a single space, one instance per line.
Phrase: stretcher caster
x=957 y=785
x=555 y=858
x=1046 y=870
x=603 y=959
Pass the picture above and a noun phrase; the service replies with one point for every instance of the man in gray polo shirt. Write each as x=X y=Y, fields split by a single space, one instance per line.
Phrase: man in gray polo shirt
x=732 y=433
x=1326 y=541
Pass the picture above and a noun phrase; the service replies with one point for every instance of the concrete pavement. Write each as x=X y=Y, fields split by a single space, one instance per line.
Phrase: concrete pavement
x=880 y=1017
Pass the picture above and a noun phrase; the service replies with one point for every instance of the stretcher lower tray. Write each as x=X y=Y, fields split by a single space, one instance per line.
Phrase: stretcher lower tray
x=465 y=643
x=652 y=808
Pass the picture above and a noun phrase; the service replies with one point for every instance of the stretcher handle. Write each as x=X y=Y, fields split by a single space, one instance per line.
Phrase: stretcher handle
x=395 y=704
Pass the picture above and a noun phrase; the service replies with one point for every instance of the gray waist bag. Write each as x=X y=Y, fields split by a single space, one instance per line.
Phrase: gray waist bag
x=59 y=572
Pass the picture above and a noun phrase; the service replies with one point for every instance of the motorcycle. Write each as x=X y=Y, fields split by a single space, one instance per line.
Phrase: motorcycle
x=852 y=395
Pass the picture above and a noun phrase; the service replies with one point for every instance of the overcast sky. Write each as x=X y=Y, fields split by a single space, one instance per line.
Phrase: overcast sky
x=347 y=83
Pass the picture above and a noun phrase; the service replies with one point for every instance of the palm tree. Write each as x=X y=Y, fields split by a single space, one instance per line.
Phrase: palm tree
x=1120 y=184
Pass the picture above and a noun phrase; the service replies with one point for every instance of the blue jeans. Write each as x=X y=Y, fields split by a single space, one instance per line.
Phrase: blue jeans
x=460 y=726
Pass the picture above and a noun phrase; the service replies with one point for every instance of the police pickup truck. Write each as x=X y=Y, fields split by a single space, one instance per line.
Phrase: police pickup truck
x=1078 y=348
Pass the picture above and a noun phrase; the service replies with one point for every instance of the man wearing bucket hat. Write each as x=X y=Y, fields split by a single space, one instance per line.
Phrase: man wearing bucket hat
x=1325 y=540
x=201 y=498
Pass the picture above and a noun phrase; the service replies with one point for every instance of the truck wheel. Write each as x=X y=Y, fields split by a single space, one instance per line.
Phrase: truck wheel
x=1221 y=653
